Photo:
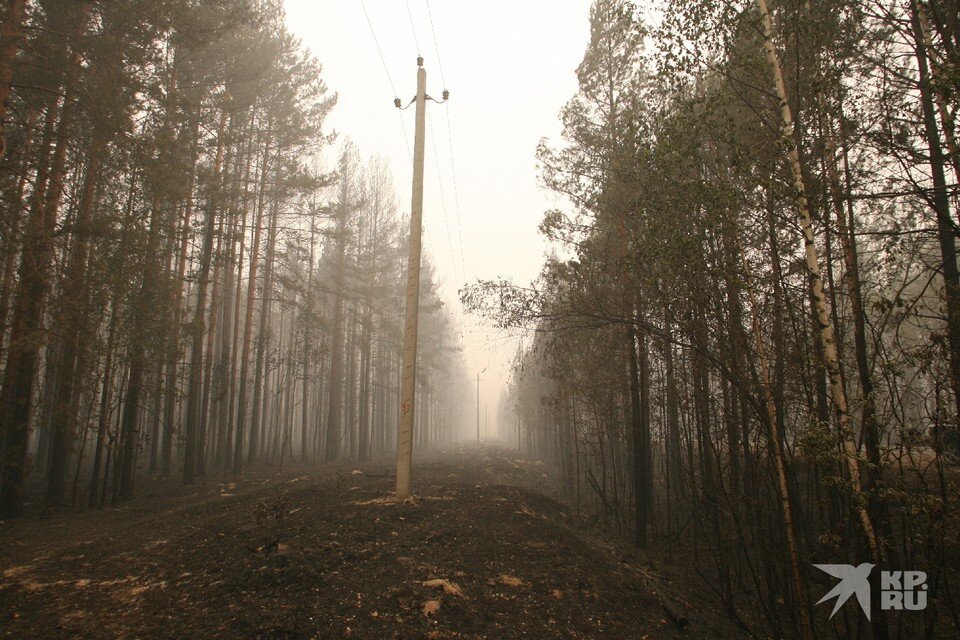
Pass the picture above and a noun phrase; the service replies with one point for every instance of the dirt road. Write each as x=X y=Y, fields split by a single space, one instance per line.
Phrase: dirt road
x=324 y=553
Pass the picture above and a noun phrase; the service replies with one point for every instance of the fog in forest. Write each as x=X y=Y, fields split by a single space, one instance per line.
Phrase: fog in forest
x=507 y=77
x=430 y=319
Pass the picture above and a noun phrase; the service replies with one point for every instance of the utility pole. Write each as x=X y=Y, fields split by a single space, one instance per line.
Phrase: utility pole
x=408 y=388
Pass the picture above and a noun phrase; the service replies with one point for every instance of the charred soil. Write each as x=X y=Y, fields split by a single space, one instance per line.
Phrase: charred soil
x=481 y=552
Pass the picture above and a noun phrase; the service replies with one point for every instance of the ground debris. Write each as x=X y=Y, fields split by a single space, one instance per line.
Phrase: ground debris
x=511 y=581
x=431 y=607
x=449 y=588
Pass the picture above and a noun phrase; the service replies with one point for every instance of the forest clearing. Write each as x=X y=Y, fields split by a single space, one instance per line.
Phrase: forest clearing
x=329 y=555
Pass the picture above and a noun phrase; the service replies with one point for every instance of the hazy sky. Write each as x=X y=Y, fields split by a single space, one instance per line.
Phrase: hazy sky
x=509 y=66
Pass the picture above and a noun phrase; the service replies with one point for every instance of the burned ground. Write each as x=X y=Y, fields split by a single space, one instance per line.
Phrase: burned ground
x=482 y=552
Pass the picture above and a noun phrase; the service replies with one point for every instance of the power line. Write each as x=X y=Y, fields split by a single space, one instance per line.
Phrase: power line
x=443 y=79
x=456 y=191
x=443 y=203
x=386 y=70
x=437 y=159
x=406 y=140
x=416 y=40
x=435 y=45
x=458 y=312
x=379 y=50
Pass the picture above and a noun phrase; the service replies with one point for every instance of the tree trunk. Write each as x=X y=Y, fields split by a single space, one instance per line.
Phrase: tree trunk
x=940 y=202
x=673 y=449
x=363 y=417
x=335 y=406
x=640 y=422
x=308 y=298
x=197 y=324
x=210 y=331
x=26 y=333
x=259 y=377
x=870 y=427
x=776 y=449
x=11 y=240
x=831 y=362
x=72 y=315
x=9 y=46
x=248 y=319
x=176 y=312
